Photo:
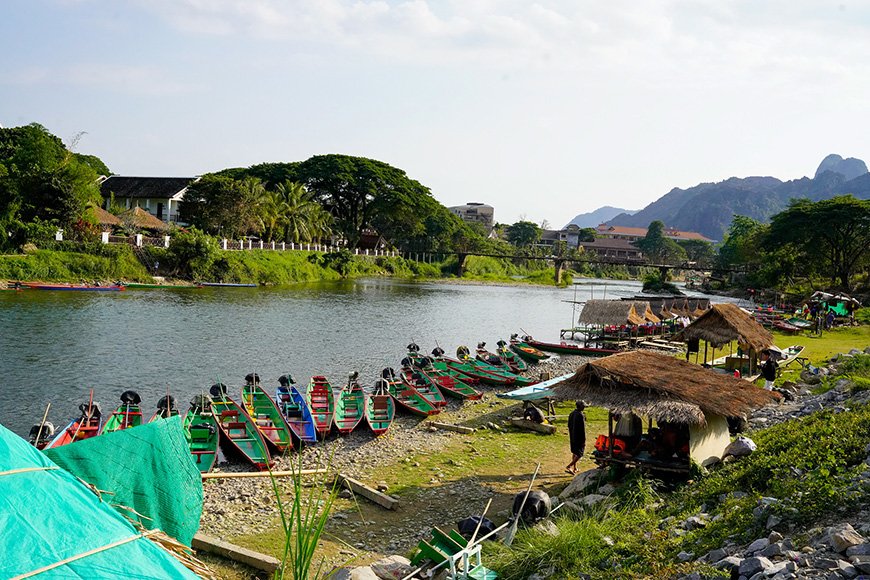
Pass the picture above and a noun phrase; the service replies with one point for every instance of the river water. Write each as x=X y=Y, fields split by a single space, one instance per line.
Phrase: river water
x=56 y=346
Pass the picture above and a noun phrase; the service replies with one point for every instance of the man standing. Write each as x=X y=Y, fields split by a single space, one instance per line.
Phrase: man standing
x=576 y=435
x=768 y=369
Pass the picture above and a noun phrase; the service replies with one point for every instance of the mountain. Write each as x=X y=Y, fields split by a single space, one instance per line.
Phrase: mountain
x=599 y=216
x=709 y=207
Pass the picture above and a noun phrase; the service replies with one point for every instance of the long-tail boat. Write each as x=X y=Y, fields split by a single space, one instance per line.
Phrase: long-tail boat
x=481 y=354
x=565 y=348
x=202 y=433
x=165 y=408
x=450 y=382
x=321 y=401
x=237 y=428
x=75 y=287
x=469 y=369
x=349 y=406
x=529 y=353
x=513 y=361
x=128 y=414
x=416 y=378
x=463 y=354
x=41 y=434
x=406 y=396
x=380 y=408
x=295 y=409
x=266 y=415
x=86 y=426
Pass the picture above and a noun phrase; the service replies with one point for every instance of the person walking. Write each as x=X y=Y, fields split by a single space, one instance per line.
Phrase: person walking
x=576 y=435
x=768 y=369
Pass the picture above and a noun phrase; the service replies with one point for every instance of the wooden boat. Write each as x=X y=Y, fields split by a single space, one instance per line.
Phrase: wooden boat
x=41 y=434
x=379 y=408
x=490 y=358
x=406 y=396
x=450 y=382
x=76 y=287
x=138 y=286
x=463 y=355
x=510 y=358
x=295 y=409
x=784 y=326
x=321 y=401
x=238 y=430
x=529 y=353
x=266 y=415
x=86 y=426
x=202 y=433
x=800 y=322
x=791 y=354
x=424 y=385
x=565 y=348
x=165 y=408
x=226 y=285
x=127 y=415
x=471 y=370
x=349 y=407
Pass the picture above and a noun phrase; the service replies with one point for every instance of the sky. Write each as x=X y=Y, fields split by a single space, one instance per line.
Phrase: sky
x=541 y=109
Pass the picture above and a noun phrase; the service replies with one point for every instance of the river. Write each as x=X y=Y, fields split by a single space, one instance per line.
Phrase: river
x=55 y=346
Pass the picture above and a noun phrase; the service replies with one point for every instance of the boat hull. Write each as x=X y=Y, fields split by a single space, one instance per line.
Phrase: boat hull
x=297 y=414
x=564 y=348
x=349 y=409
x=203 y=437
x=237 y=431
x=321 y=401
x=380 y=412
x=267 y=418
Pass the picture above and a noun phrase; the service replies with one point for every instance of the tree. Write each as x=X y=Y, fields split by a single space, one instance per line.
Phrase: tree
x=301 y=219
x=833 y=233
x=698 y=251
x=586 y=235
x=523 y=233
x=658 y=248
x=743 y=243
x=224 y=206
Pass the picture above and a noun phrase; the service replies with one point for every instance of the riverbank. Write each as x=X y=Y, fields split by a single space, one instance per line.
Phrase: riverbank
x=440 y=477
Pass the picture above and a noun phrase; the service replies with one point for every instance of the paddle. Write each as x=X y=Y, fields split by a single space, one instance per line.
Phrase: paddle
x=480 y=521
x=512 y=530
x=42 y=424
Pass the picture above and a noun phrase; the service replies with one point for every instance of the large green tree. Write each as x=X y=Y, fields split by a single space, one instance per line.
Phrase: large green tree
x=658 y=248
x=832 y=233
x=224 y=206
x=743 y=243
x=523 y=234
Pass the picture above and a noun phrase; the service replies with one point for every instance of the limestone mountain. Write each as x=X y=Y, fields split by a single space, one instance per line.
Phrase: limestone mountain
x=709 y=207
x=599 y=216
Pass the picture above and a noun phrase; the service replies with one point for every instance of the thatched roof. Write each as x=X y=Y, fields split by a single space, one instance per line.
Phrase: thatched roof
x=141 y=219
x=661 y=387
x=103 y=217
x=724 y=323
x=644 y=310
x=607 y=312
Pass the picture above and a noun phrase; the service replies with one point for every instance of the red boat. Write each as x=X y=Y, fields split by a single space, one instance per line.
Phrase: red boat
x=321 y=401
x=86 y=426
x=75 y=287
x=565 y=348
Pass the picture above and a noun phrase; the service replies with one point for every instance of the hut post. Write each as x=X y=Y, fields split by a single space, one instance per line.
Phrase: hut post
x=705 y=352
x=610 y=434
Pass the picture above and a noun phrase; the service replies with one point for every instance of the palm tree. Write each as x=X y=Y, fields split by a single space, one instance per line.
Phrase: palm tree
x=302 y=218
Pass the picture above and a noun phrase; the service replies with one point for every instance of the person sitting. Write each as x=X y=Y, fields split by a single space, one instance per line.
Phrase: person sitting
x=628 y=428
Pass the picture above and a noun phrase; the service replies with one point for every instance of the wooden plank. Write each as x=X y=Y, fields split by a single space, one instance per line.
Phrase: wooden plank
x=450 y=427
x=532 y=426
x=244 y=474
x=367 y=492
x=211 y=545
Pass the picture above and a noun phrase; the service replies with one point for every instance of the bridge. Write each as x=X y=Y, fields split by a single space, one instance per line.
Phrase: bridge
x=560 y=262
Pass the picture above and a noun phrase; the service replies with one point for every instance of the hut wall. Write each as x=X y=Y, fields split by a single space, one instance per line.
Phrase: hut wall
x=708 y=442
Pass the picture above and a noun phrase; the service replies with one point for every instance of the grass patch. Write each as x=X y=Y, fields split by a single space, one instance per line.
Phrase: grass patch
x=53 y=266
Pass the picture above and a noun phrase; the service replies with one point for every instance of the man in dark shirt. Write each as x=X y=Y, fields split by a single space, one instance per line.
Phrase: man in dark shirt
x=768 y=369
x=576 y=435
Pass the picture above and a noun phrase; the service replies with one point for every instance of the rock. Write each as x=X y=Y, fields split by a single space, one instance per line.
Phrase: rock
x=592 y=499
x=546 y=527
x=740 y=447
x=580 y=482
x=731 y=563
x=715 y=555
x=772 y=550
x=772 y=522
x=843 y=537
x=859 y=550
x=754 y=565
x=382 y=486
x=606 y=489
x=774 y=537
x=861 y=563
x=825 y=564
x=756 y=546
x=849 y=168
x=694 y=523
x=392 y=568
x=685 y=556
x=846 y=569
x=358 y=573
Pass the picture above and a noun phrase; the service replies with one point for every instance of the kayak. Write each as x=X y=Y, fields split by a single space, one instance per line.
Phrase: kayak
x=349 y=408
x=529 y=353
x=295 y=409
x=127 y=415
x=202 y=434
x=267 y=418
x=165 y=408
x=565 y=348
x=417 y=379
x=86 y=426
x=237 y=428
x=463 y=355
x=379 y=409
x=321 y=401
x=510 y=358
x=405 y=396
x=449 y=381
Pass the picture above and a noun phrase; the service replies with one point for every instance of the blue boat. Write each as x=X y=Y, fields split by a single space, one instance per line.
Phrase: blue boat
x=536 y=391
x=226 y=285
x=294 y=408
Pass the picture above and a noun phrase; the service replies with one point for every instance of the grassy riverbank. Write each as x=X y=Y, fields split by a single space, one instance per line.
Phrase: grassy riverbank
x=56 y=266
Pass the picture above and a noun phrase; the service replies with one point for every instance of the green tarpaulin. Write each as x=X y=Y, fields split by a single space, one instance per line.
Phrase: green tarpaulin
x=147 y=468
x=47 y=516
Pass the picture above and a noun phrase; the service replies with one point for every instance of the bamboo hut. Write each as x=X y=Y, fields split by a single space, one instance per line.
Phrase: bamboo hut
x=102 y=217
x=666 y=390
x=140 y=219
x=610 y=313
x=721 y=325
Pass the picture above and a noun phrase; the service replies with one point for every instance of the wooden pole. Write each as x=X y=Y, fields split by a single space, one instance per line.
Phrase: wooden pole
x=246 y=474
x=42 y=424
x=480 y=521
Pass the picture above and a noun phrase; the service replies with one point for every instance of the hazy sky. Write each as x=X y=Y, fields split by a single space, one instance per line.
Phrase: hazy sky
x=542 y=109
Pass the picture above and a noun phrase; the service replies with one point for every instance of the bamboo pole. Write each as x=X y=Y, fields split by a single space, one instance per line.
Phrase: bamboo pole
x=42 y=424
x=245 y=474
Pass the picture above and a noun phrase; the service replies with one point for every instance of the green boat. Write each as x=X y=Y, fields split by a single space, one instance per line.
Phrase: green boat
x=510 y=358
x=452 y=383
x=405 y=396
x=201 y=431
x=527 y=352
x=127 y=415
x=268 y=419
x=349 y=406
x=470 y=370
x=463 y=354
x=237 y=428
x=380 y=409
x=417 y=379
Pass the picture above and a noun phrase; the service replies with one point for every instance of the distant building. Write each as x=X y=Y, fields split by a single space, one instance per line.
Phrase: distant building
x=159 y=196
x=627 y=233
x=475 y=212
x=570 y=234
x=616 y=249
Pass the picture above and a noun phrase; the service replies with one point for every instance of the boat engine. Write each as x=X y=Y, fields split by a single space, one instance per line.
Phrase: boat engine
x=44 y=436
x=462 y=351
x=200 y=403
x=467 y=526
x=388 y=373
x=218 y=390
x=286 y=380
x=538 y=506
x=437 y=351
x=413 y=347
x=131 y=398
x=95 y=410
x=252 y=379
x=165 y=405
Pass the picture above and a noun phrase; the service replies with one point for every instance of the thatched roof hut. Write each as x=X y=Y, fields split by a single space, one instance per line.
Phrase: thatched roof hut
x=609 y=312
x=102 y=217
x=661 y=387
x=644 y=310
x=724 y=323
x=141 y=219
